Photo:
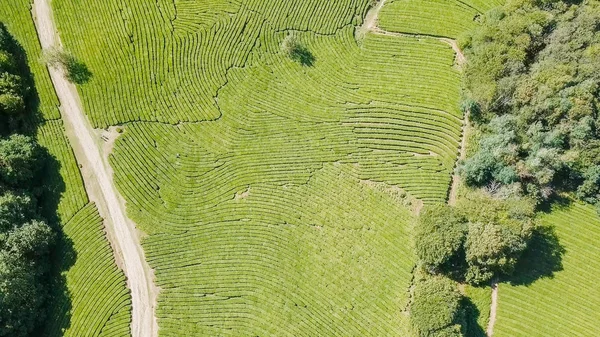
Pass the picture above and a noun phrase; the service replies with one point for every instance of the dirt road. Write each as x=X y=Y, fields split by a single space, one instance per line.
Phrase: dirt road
x=125 y=240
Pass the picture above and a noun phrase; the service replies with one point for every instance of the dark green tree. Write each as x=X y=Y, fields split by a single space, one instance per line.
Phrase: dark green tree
x=439 y=235
x=436 y=308
x=19 y=160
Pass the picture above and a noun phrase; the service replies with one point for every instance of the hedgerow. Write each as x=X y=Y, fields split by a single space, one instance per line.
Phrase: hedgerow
x=445 y=18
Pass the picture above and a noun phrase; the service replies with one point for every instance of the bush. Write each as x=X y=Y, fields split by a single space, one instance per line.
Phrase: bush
x=436 y=308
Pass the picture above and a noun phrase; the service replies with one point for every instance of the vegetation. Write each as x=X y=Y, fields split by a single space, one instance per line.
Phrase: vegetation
x=439 y=236
x=25 y=238
x=532 y=85
x=436 y=309
x=262 y=210
x=480 y=238
x=444 y=18
x=87 y=294
x=75 y=70
x=296 y=51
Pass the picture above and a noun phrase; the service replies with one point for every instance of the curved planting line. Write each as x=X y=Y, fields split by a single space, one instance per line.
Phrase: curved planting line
x=125 y=242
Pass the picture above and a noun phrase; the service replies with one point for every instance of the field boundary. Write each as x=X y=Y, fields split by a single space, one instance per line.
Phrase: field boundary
x=99 y=185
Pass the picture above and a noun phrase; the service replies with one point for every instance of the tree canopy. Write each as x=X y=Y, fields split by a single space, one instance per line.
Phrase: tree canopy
x=482 y=237
x=436 y=308
x=532 y=84
x=25 y=238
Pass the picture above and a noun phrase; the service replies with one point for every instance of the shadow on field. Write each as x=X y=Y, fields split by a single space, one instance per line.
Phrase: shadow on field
x=473 y=329
x=542 y=258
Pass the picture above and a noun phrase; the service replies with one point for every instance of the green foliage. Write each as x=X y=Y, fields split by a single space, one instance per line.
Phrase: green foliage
x=24 y=247
x=25 y=239
x=436 y=308
x=20 y=159
x=439 y=235
x=497 y=235
x=12 y=87
x=88 y=292
x=535 y=64
x=482 y=237
x=589 y=190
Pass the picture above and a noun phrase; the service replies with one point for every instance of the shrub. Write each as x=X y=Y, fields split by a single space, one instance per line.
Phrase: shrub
x=292 y=47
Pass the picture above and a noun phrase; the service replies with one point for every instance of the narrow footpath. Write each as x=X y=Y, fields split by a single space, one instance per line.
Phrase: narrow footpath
x=493 y=308
x=124 y=237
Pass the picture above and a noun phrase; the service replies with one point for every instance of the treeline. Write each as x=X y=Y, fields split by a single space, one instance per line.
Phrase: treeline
x=25 y=238
x=473 y=242
x=532 y=85
x=532 y=88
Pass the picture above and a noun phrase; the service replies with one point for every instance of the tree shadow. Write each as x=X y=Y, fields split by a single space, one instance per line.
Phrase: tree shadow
x=78 y=72
x=472 y=327
x=302 y=55
x=541 y=259
x=47 y=187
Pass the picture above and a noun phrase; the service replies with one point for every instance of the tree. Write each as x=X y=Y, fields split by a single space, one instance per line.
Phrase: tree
x=19 y=160
x=15 y=209
x=491 y=249
x=440 y=234
x=436 y=308
x=75 y=71
x=292 y=47
x=497 y=235
x=25 y=240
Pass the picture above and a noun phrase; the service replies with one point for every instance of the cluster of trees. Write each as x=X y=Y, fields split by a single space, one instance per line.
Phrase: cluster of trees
x=532 y=86
x=479 y=239
x=25 y=238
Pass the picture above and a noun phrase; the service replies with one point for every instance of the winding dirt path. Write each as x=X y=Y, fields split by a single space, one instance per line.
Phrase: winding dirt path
x=124 y=236
x=493 y=309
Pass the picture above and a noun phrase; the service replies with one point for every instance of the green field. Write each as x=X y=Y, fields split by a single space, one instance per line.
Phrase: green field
x=90 y=297
x=566 y=304
x=275 y=198
x=261 y=182
x=445 y=18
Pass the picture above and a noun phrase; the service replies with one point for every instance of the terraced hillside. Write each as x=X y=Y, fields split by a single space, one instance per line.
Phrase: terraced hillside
x=445 y=18
x=261 y=182
x=567 y=304
x=91 y=297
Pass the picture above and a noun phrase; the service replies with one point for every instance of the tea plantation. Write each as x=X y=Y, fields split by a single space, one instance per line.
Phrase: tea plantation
x=277 y=195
